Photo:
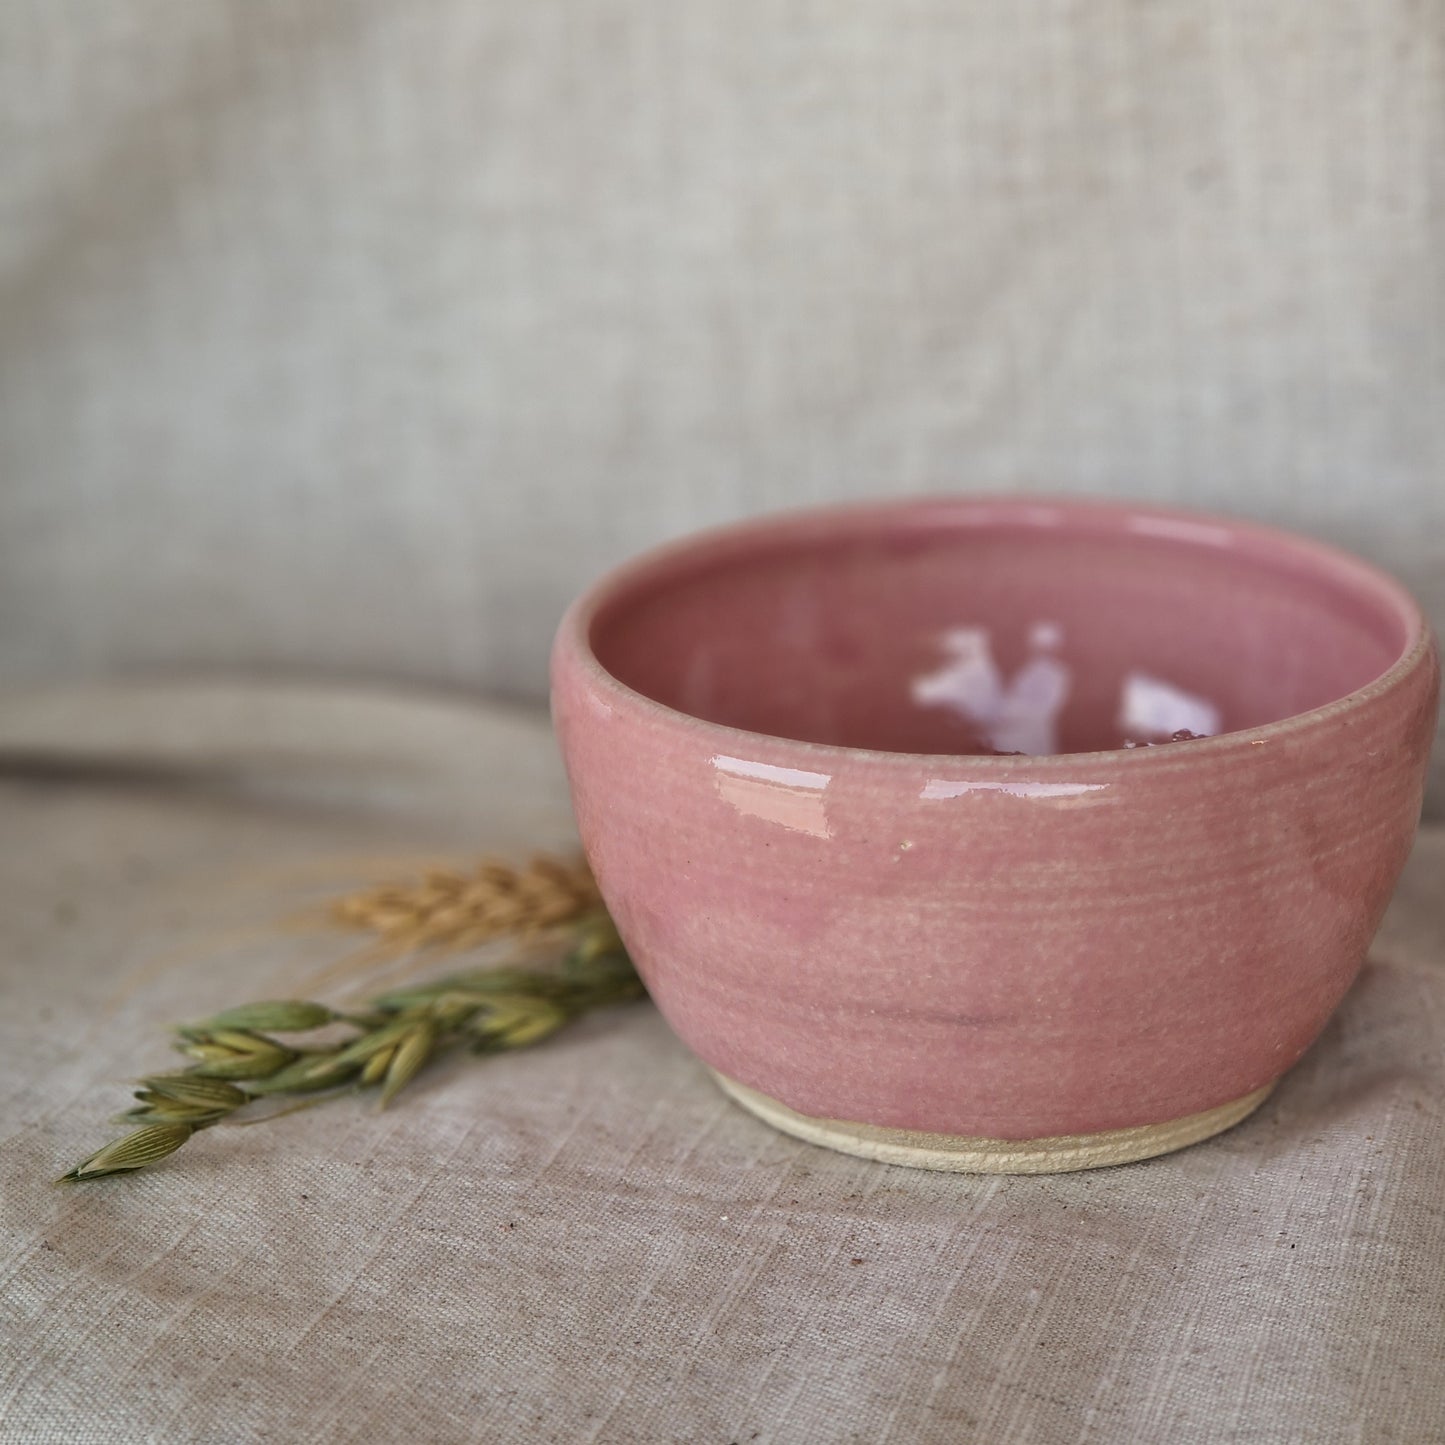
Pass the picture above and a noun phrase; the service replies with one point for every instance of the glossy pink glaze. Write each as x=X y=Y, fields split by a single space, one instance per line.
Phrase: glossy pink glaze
x=771 y=734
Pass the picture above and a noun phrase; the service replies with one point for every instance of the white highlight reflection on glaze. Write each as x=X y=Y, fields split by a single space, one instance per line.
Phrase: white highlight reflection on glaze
x=770 y=773
x=1151 y=707
x=1181 y=529
x=1017 y=715
x=948 y=788
x=790 y=797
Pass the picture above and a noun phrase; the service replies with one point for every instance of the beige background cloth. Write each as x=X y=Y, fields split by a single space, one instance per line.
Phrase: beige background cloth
x=354 y=337
x=587 y=1243
x=357 y=335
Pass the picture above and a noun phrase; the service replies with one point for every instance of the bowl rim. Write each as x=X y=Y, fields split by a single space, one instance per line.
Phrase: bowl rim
x=1042 y=510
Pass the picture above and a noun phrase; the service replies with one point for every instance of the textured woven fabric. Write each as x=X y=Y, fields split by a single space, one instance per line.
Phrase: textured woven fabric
x=586 y=1243
x=356 y=335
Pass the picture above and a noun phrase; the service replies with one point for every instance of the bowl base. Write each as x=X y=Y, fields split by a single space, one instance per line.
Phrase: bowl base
x=960 y=1154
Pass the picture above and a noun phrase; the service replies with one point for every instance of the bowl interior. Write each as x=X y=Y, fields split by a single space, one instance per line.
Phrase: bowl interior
x=964 y=631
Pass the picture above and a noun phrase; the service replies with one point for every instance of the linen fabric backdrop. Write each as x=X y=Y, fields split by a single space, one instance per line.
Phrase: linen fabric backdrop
x=345 y=342
x=355 y=338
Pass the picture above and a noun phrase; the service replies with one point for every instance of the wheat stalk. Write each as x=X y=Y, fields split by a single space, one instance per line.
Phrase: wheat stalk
x=449 y=911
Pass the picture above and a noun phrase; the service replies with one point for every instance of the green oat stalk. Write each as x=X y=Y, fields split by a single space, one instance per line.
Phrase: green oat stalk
x=397 y=1035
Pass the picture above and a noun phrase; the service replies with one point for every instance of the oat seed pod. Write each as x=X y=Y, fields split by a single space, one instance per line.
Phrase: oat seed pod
x=237 y=1054
x=409 y=1056
x=376 y=1066
x=135 y=1151
x=280 y=1016
x=195 y=1090
x=310 y=1074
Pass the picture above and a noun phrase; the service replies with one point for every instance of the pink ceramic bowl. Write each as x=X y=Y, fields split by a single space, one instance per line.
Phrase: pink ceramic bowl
x=899 y=813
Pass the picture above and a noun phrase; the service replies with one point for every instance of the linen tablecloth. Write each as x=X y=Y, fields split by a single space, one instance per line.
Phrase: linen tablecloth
x=586 y=1242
